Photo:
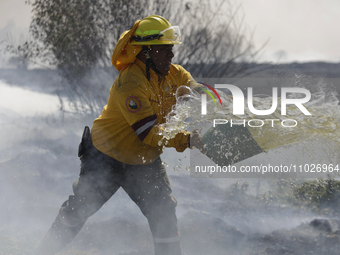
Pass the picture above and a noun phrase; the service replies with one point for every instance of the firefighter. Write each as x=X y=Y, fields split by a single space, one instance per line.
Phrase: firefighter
x=124 y=145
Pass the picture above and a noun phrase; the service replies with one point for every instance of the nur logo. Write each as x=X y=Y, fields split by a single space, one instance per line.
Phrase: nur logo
x=239 y=99
x=204 y=97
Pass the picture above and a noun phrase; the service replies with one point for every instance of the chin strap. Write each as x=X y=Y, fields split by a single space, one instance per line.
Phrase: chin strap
x=149 y=63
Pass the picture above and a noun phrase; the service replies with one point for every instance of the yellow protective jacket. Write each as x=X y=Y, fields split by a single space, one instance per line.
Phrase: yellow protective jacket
x=127 y=130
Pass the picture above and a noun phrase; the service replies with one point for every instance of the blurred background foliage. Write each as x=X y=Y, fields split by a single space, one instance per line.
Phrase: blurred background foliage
x=321 y=196
x=78 y=37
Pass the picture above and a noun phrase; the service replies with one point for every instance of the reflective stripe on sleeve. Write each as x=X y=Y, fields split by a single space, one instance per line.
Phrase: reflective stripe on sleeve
x=143 y=127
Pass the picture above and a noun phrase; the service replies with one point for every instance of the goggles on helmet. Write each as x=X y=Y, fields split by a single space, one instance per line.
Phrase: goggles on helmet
x=171 y=35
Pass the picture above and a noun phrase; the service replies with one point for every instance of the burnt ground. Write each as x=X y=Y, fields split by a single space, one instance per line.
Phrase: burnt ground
x=39 y=164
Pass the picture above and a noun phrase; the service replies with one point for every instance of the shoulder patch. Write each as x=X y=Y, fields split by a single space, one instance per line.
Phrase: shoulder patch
x=133 y=104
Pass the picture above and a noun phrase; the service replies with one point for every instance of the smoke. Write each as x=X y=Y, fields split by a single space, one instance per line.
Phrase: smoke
x=38 y=164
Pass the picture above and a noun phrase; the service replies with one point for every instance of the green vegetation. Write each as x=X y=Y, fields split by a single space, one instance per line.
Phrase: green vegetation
x=78 y=37
x=321 y=196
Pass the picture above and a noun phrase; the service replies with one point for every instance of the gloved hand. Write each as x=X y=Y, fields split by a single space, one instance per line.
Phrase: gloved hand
x=196 y=141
